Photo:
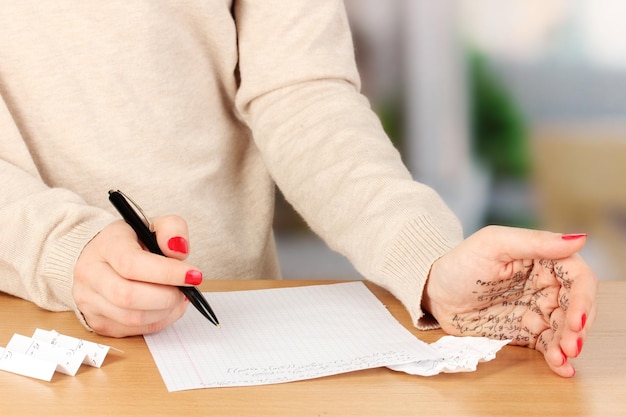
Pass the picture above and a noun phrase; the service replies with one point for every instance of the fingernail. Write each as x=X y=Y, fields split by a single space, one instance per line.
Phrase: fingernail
x=178 y=244
x=573 y=236
x=193 y=277
x=583 y=321
x=579 y=345
x=186 y=299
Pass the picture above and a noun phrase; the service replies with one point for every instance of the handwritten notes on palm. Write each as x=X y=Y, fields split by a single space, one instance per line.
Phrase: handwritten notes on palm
x=289 y=334
x=47 y=352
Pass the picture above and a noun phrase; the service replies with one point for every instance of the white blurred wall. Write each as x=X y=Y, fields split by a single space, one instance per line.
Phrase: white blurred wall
x=564 y=61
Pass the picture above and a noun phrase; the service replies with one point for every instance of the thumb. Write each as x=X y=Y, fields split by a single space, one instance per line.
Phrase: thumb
x=172 y=235
x=517 y=243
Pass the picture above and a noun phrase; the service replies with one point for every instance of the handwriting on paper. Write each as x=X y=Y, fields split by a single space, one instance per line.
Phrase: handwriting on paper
x=94 y=353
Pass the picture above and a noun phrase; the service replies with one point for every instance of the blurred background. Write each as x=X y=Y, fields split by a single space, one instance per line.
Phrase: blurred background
x=513 y=110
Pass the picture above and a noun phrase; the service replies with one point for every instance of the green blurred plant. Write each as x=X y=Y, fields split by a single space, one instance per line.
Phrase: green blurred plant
x=498 y=129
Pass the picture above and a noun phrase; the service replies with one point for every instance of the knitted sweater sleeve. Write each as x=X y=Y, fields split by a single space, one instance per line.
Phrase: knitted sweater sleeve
x=327 y=151
x=43 y=229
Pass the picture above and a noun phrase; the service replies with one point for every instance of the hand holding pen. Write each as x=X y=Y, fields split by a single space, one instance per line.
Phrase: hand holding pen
x=135 y=217
x=122 y=290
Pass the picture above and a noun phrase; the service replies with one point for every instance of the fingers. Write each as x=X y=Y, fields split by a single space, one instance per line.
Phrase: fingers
x=131 y=262
x=122 y=251
x=172 y=235
x=578 y=300
x=548 y=344
x=114 y=306
x=131 y=294
x=517 y=243
x=116 y=322
x=122 y=290
x=571 y=321
x=555 y=358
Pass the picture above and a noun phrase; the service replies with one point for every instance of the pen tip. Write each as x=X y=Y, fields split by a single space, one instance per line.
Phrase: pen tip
x=219 y=326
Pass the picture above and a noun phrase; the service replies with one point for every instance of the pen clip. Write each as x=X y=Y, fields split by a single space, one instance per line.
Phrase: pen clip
x=137 y=209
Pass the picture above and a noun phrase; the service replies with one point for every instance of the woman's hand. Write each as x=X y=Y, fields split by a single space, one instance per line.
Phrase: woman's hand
x=122 y=290
x=525 y=285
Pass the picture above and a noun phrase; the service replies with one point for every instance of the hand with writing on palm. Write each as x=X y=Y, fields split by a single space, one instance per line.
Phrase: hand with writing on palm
x=525 y=285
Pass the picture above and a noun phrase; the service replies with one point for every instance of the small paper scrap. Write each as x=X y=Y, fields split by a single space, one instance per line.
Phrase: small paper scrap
x=458 y=354
x=47 y=352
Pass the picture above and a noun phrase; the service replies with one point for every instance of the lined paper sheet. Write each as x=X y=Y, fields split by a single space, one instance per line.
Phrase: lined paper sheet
x=281 y=335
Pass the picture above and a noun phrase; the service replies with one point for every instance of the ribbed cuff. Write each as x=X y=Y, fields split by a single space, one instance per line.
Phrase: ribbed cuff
x=407 y=262
x=58 y=268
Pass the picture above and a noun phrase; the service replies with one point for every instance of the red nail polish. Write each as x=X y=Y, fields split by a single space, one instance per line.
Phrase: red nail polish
x=583 y=321
x=573 y=236
x=178 y=244
x=193 y=277
x=579 y=344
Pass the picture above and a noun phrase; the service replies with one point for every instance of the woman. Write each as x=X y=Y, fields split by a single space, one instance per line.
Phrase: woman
x=199 y=109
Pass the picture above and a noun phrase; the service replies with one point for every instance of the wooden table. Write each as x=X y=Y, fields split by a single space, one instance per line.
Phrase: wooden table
x=516 y=383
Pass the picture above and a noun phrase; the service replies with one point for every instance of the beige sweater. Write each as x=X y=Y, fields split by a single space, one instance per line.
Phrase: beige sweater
x=198 y=108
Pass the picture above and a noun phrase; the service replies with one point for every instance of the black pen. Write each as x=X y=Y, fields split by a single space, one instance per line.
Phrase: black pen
x=135 y=217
